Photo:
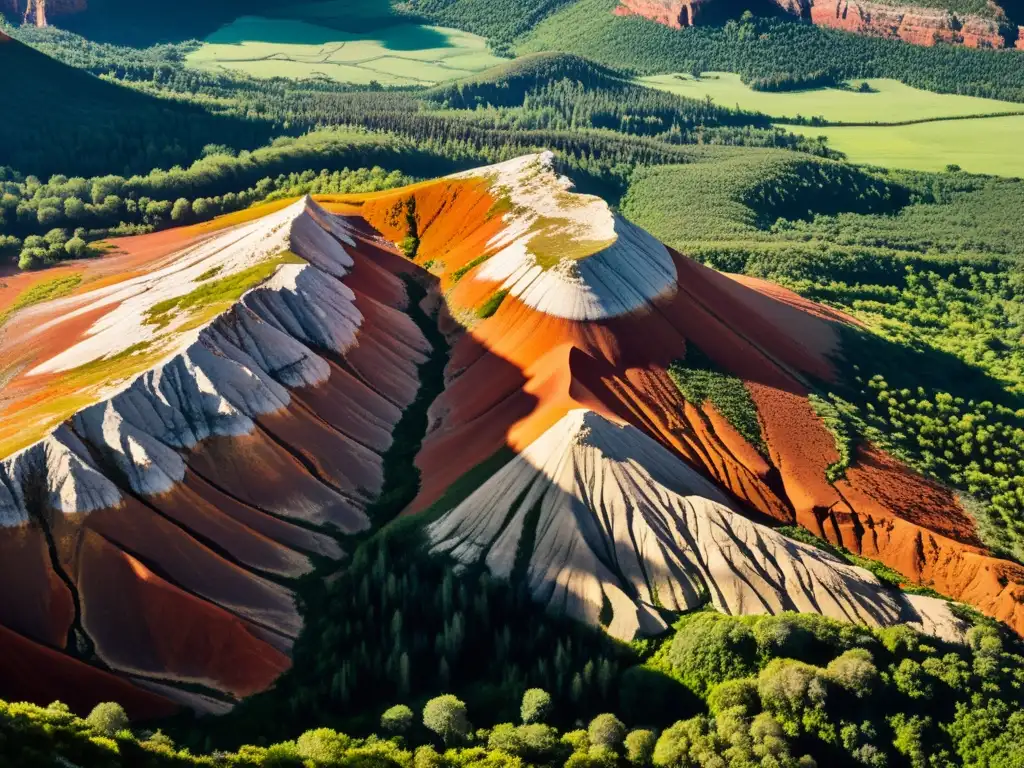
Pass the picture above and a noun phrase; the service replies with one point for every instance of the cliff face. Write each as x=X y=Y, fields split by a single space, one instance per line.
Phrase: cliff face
x=912 y=24
x=672 y=13
x=38 y=12
x=921 y=26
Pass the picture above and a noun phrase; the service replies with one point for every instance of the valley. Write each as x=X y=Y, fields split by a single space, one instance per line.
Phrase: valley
x=878 y=122
x=395 y=55
x=560 y=384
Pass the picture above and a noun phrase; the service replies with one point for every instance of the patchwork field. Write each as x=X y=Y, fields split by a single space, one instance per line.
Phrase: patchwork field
x=976 y=143
x=982 y=145
x=889 y=101
x=395 y=54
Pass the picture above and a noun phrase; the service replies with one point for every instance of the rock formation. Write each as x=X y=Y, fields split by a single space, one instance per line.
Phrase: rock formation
x=208 y=413
x=39 y=12
x=911 y=23
x=149 y=531
x=672 y=13
x=607 y=517
x=606 y=346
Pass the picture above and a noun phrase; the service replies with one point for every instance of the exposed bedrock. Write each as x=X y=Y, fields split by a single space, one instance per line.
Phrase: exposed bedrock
x=672 y=13
x=596 y=513
x=39 y=12
x=910 y=23
x=160 y=521
x=514 y=375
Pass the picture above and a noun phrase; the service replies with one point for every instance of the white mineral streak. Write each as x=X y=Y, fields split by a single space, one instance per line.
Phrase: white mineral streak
x=214 y=380
x=627 y=271
x=620 y=518
x=60 y=469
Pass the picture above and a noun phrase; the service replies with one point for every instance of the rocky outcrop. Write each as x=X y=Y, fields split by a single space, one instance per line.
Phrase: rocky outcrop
x=672 y=13
x=913 y=24
x=609 y=527
x=156 y=531
x=39 y=12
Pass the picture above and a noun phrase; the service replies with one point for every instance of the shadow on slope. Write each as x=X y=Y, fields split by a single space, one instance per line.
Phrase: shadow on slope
x=68 y=119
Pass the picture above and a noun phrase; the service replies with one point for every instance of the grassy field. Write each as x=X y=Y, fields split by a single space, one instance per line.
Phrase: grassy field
x=395 y=54
x=976 y=144
x=983 y=145
x=889 y=102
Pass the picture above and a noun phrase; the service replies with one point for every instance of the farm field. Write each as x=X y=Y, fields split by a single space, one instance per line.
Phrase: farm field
x=983 y=145
x=889 y=102
x=396 y=54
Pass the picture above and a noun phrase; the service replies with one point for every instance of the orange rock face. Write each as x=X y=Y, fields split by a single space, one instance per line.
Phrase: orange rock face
x=672 y=13
x=178 y=578
x=38 y=12
x=148 y=536
x=516 y=373
x=912 y=24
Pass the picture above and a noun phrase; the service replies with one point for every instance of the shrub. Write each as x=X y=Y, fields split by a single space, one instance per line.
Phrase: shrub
x=712 y=648
x=536 y=706
x=640 y=747
x=397 y=719
x=322 y=745
x=795 y=693
x=606 y=731
x=853 y=671
x=108 y=718
x=735 y=693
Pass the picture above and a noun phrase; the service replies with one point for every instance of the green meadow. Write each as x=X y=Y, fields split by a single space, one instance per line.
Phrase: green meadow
x=888 y=101
x=951 y=128
x=391 y=54
x=981 y=145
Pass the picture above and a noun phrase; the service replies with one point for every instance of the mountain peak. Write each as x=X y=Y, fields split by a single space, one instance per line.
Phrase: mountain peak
x=568 y=254
x=615 y=529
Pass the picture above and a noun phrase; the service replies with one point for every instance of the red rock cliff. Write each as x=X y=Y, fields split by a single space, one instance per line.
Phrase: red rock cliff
x=672 y=13
x=912 y=24
x=38 y=12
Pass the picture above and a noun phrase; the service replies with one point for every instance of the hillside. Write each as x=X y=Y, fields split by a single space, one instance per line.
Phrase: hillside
x=211 y=414
x=94 y=126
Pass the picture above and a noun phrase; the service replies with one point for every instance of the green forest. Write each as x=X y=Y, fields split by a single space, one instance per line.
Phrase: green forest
x=785 y=691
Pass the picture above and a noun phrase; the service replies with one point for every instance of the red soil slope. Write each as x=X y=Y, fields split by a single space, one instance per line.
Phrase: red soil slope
x=516 y=373
x=176 y=586
x=180 y=583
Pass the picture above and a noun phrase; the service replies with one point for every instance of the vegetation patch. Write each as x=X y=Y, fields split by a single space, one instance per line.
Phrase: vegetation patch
x=214 y=297
x=836 y=415
x=464 y=270
x=395 y=54
x=47 y=290
x=555 y=240
x=699 y=380
x=978 y=145
x=211 y=272
x=490 y=306
x=882 y=101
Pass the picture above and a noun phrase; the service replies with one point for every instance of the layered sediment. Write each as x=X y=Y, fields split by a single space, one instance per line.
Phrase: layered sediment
x=154 y=532
x=914 y=24
x=206 y=416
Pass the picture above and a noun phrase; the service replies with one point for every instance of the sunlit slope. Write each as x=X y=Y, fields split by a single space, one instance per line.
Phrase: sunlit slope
x=554 y=303
x=182 y=439
x=203 y=417
x=606 y=525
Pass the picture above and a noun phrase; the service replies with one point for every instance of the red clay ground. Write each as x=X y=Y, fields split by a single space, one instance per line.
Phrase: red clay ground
x=515 y=374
